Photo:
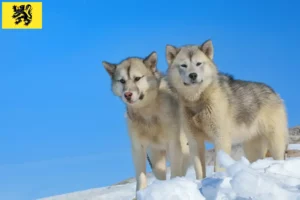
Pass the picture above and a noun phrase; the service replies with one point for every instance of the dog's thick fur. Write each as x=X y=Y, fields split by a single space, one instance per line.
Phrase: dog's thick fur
x=152 y=117
x=218 y=108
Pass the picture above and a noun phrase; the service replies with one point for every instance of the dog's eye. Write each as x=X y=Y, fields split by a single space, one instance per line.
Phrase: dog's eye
x=137 y=78
x=183 y=65
x=198 y=63
x=122 y=81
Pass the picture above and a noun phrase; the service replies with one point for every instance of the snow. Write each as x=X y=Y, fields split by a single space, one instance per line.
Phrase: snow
x=265 y=179
x=174 y=189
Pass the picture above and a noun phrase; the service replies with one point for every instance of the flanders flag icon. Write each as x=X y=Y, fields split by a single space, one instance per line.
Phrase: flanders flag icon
x=21 y=15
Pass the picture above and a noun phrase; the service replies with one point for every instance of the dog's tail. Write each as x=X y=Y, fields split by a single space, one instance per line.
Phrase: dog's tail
x=150 y=163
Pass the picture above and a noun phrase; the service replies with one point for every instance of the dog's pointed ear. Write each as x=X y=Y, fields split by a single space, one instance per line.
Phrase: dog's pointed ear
x=110 y=68
x=171 y=53
x=151 y=61
x=208 y=49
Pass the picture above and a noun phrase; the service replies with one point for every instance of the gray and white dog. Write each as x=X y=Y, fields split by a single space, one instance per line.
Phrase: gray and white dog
x=216 y=107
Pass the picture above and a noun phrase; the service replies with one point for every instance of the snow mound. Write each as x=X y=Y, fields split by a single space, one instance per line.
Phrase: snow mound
x=174 y=189
x=265 y=179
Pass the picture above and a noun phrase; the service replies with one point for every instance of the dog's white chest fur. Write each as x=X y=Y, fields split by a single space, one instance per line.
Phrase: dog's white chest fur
x=150 y=131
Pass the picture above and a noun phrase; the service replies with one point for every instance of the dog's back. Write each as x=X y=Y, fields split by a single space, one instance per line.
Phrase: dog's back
x=258 y=116
x=247 y=98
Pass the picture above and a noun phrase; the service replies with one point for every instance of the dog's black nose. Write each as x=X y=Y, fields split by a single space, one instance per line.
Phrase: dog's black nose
x=193 y=76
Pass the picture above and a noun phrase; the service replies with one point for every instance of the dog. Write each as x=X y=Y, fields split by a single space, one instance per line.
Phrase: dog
x=152 y=117
x=217 y=108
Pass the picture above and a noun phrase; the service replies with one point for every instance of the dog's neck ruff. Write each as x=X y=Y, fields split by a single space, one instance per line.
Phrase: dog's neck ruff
x=141 y=119
x=147 y=111
x=198 y=97
x=187 y=96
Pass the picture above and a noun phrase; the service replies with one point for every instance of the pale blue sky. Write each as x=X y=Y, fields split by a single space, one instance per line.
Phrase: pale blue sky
x=61 y=128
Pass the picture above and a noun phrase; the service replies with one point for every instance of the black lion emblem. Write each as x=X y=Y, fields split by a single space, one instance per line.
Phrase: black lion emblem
x=22 y=12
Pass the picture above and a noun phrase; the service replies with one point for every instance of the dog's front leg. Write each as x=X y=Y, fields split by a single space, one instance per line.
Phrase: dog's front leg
x=139 y=159
x=197 y=149
x=158 y=160
x=176 y=158
x=197 y=144
x=221 y=143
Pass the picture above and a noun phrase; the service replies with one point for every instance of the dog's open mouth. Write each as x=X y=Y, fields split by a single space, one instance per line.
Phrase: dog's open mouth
x=188 y=84
x=192 y=83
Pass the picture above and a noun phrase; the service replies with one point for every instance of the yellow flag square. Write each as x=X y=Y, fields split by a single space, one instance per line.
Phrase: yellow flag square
x=21 y=15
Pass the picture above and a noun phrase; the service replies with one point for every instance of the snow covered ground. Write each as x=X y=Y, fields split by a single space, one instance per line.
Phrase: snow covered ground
x=262 y=180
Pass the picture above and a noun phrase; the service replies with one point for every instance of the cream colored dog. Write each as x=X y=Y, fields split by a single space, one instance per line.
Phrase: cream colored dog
x=152 y=117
